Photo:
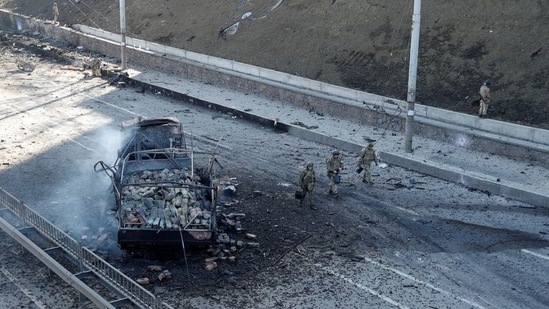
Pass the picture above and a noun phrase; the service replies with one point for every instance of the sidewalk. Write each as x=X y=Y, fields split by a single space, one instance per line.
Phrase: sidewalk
x=498 y=175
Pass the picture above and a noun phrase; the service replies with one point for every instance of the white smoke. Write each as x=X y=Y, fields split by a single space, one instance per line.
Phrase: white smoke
x=80 y=205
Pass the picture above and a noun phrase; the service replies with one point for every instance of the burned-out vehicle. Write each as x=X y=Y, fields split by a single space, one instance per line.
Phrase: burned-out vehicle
x=164 y=192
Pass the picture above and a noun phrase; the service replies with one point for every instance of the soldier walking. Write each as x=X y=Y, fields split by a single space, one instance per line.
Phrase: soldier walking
x=365 y=159
x=55 y=12
x=485 y=98
x=307 y=180
x=333 y=166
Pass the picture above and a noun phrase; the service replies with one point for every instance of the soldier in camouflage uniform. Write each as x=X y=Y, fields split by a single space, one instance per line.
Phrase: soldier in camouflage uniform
x=365 y=159
x=307 y=180
x=55 y=12
x=96 y=67
x=333 y=166
x=485 y=98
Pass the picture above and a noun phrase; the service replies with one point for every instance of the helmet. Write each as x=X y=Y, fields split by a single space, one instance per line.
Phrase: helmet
x=310 y=164
x=335 y=153
x=487 y=82
x=371 y=145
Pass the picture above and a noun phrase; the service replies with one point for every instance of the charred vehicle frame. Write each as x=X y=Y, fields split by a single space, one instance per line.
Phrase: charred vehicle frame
x=162 y=199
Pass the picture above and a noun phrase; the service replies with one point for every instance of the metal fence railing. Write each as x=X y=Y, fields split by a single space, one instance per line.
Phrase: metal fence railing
x=116 y=278
x=87 y=259
x=7 y=200
x=49 y=230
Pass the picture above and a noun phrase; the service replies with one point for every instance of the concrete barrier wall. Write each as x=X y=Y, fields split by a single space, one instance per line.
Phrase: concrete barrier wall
x=351 y=96
x=456 y=128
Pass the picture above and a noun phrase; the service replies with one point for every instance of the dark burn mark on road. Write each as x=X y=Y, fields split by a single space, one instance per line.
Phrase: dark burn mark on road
x=476 y=51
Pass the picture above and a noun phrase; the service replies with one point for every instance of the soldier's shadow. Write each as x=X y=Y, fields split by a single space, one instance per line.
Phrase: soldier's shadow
x=16 y=71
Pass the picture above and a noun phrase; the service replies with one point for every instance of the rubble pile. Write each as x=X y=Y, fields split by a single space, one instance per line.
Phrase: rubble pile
x=163 y=275
x=168 y=199
x=227 y=247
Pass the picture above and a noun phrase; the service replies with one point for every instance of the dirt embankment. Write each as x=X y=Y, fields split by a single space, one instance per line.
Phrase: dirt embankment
x=362 y=45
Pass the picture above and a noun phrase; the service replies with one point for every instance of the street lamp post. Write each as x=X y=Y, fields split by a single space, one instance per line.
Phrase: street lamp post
x=412 y=76
x=123 y=60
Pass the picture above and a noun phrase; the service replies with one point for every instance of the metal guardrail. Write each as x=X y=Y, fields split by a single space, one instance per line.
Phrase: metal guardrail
x=114 y=277
x=67 y=243
x=87 y=259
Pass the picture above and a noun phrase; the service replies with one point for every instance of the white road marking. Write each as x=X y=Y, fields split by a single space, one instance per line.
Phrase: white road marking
x=111 y=105
x=396 y=271
x=144 y=117
x=406 y=210
x=60 y=126
x=362 y=287
x=535 y=254
x=23 y=289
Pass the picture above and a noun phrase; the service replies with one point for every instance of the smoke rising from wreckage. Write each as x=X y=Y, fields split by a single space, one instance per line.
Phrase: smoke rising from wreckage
x=163 y=196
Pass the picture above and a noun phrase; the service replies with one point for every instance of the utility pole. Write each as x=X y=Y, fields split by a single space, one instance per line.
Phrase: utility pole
x=412 y=76
x=124 y=61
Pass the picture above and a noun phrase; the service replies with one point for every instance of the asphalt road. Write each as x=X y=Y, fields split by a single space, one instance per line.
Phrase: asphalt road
x=392 y=245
